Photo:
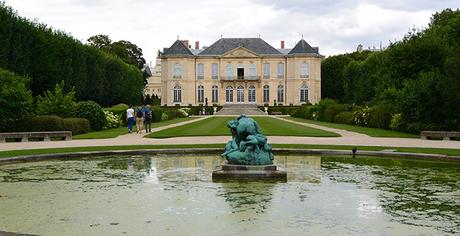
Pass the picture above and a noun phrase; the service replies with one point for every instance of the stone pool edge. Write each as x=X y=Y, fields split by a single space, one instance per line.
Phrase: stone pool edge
x=40 y=157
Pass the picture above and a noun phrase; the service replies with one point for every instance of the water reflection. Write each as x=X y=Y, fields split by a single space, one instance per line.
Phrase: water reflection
x=340 y=194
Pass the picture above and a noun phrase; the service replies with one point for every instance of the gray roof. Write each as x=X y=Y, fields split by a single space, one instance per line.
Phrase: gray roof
x=196 y=51
x=284 y=51
x=255 y=45
x=302 y=47
x=178 y=48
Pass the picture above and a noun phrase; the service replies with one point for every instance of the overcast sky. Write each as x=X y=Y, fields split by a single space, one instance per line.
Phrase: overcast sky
x=335 y=26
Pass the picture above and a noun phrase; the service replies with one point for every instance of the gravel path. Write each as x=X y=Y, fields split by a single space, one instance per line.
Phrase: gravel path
x=348 y=138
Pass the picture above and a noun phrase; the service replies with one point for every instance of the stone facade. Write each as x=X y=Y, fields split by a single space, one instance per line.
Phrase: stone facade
x=240 y=71
x=154 y=84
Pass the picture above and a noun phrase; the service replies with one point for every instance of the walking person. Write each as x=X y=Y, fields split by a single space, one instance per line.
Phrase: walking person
x=130 y=118
x=139 y=119
x=148 y=119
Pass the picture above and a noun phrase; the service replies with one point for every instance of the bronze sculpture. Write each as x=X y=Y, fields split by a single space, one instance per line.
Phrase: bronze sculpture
x=248 y=146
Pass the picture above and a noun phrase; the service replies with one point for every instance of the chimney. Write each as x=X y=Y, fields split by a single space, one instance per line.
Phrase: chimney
x=197 y=45
x=185 y=42
x=282 y=44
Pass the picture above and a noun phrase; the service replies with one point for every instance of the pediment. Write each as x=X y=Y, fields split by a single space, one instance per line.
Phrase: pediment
x=240 y=52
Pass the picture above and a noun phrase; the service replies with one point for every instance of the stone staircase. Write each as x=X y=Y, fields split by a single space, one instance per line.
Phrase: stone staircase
x=238 y=109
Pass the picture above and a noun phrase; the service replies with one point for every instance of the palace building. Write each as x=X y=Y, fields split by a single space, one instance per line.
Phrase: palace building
x=240 y=71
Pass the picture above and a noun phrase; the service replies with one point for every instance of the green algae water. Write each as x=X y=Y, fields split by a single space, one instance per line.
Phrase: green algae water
x=174 y=195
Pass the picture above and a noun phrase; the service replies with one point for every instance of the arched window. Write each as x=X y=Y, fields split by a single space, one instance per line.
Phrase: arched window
x=200 y=93
x=177 y=94
x=266 y=93
x=280 y=93
x=229 y=71
x=177 y=73
x=215 y=94
x=229 y=94
x=240 y=94
x=252 y=94
x=304 y=73
x=304 y=93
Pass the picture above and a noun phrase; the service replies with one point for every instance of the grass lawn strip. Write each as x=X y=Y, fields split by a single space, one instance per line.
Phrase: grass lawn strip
x=113 y=133
x=442 y=151
x=217 y=126
x=373 y=132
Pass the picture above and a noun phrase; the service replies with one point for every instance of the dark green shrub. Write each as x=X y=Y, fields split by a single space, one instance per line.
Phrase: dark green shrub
x=380 y=116
x=329 y=112
x=76 y=125
x=44 y=123
x=156 y=114
x=57 y=102
x=93 y=112
x=311 y=113
x=15 y=99
x=300 y=111
x=345 y=117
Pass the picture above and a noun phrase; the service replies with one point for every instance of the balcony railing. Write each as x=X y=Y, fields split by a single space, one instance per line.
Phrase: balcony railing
x=177 y=76
x=304 y=76
x=243 y=78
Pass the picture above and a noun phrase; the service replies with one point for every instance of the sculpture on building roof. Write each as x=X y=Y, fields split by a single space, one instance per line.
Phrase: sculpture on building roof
x=248 y=146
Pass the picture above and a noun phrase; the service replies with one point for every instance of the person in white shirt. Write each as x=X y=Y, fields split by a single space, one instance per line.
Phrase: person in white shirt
x=130 y=118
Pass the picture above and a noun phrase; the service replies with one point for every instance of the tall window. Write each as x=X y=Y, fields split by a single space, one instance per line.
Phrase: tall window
x=200 y=93
x=281 y=70
x=304 y=93
x=304 y=73
x=215 y=94
x=240 y=94
x=252 y=94
x=177 y=73
x=214 y=71
x=200 y=71
x=280 y=93
x=266 y=93
x=266 y=70
x=252 y=71
x=229 y=71
x=229 y=94
x=177 y=94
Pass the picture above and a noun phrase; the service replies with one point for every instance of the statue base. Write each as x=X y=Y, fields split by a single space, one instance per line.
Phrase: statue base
x=248 y=172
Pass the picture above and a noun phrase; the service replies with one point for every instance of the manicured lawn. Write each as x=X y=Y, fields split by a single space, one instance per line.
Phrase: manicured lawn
x=113 y=133
x=443 y=151
x=217 y=126
x=373 y=132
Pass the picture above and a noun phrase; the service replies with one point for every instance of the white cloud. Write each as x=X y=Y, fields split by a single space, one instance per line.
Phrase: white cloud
x=335 y=26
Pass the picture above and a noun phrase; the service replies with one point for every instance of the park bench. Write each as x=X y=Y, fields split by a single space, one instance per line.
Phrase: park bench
x=276 y=113
x=45 y=136
x=446 y=135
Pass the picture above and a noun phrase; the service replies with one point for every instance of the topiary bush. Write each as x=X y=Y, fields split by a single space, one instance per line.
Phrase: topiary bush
x=77 y=125
x=91 y=111
x=46 y=123
x=345 y=117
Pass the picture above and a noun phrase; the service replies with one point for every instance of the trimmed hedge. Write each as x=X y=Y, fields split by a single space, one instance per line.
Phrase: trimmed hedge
x=76 y=125
x=345 y=117
x=48 y=123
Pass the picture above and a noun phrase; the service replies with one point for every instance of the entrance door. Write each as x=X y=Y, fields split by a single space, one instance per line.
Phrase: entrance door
x=240 y=73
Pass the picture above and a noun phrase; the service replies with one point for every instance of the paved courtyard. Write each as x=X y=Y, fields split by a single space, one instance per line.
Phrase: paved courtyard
x=348 y=138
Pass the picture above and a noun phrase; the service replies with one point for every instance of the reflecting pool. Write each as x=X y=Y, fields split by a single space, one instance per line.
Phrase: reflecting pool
x=174 y=195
